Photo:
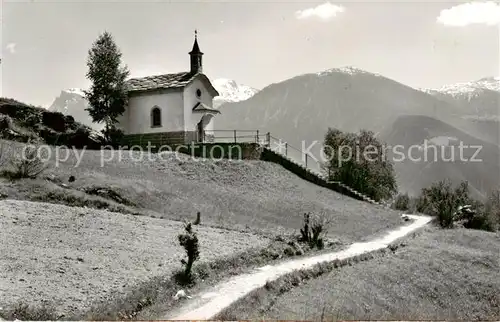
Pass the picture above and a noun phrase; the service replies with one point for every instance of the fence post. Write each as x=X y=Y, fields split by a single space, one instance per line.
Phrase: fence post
x=234 y=136
x=286 y=149
x=257 y=137
x=306 y=160
x=268 y=139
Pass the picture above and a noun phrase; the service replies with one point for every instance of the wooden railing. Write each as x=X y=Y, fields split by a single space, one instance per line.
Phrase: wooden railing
x=294 y=153
x=265 y=139
x=232 y=136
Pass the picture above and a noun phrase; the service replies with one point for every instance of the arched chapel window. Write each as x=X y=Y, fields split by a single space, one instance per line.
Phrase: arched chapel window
x=156 y=117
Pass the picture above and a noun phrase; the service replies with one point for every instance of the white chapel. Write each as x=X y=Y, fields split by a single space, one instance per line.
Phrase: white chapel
x=170 y=108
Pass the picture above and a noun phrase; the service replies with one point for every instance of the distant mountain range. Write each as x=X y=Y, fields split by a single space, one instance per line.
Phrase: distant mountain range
x=347 y=98
x=477 y=100
x=230 y=91
x=72 y=102
x=466 y=90
x=301 y=109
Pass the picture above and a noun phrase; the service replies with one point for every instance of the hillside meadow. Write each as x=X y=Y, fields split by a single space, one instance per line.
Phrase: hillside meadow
x=253 y=196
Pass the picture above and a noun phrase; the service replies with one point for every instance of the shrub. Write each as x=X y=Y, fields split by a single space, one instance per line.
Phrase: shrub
x=31 y=120
x=70 y=121
x=316 y=240
x=442 y=201
x=75 y=198
x=482 y=221
x=402 y=202
x=108 y=193
x=5 y=122
x=78 y=138
x=189 y=240
x=313 y=230
x=422 y=204
x=492 y=206
x=29 y=165
x=81 y=138
x=477 y=216
x=54 y=120
x=305 y=233
x=289 y=251
x=454 y=206
x=113 y=136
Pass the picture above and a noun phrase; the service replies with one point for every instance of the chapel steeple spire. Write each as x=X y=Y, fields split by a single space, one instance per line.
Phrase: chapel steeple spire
x=195 y=53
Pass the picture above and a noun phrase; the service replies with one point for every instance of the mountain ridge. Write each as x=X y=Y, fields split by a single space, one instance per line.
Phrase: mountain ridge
x=300 y=110
x=468 y=88
x=231 y=91
x=477 y=100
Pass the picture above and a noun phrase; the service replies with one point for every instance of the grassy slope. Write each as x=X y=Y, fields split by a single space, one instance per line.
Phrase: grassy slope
x=239 y=195
x=441 y=274
x=256 y=196
x=74 y=257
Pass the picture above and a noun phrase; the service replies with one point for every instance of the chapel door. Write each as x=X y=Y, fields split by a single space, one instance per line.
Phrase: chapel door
x=200 y=131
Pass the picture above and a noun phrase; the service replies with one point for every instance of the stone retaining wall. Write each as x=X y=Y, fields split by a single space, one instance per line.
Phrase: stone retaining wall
x=159 y=139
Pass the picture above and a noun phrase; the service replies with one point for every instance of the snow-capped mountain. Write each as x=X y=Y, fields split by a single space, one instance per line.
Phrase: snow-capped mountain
x=230 y=91
x=468 y=90
x=350 y=70
x=72 y=102
x=66 y=99
x=475 y=100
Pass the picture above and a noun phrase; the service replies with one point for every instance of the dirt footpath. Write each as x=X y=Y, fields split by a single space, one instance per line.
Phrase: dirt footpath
x=71 y=257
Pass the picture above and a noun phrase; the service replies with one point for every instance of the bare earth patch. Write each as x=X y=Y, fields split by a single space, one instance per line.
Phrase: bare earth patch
x=77 y=257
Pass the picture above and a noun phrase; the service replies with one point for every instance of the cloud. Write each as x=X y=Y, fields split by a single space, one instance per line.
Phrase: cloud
x=487 y=13
x=323 y=11
x=11 y=48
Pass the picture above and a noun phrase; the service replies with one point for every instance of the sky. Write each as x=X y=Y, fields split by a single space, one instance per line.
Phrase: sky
x=421 y=44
